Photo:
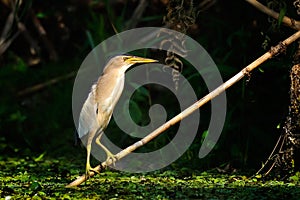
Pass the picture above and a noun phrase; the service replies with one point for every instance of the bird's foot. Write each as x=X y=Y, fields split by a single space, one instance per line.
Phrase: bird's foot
x=111 y=157
x=88 y=170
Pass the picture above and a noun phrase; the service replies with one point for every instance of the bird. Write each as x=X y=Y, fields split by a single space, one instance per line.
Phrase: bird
x=97 y=109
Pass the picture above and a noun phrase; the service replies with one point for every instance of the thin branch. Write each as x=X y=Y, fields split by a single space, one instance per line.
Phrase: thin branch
x=42 y=32
x=4 y=39
x=137 y=14
x=270 y=156
x=205 y=5
x=41 y=86
x=272 y=166
x=8 y=26
x=273 y=52
x=34 y=47
x=286 y=20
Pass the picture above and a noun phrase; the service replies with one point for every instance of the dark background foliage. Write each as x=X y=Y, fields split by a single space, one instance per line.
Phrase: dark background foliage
x=233 y=32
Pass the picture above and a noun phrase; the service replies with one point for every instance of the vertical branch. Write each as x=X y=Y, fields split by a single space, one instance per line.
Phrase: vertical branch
x=52 y=53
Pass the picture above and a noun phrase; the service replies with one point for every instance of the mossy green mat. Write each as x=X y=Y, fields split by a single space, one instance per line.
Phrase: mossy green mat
x=42 y=178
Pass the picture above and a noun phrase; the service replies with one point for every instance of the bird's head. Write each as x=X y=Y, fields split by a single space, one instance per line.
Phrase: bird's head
x=122 y=63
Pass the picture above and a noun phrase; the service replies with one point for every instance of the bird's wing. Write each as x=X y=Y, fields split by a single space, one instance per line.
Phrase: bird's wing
x=88 y=115
x=117 y=91
x=109 y=89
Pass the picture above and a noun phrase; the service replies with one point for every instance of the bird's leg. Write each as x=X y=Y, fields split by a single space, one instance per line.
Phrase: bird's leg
x=108 y=153
x=88 y=167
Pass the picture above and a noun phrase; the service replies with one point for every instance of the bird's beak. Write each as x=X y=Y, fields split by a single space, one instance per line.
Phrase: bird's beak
x=135 y=59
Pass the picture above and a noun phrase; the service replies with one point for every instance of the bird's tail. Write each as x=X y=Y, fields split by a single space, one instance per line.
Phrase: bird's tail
x=88 y=115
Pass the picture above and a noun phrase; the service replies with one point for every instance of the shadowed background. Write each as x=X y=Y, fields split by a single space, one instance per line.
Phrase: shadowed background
x=46 y=42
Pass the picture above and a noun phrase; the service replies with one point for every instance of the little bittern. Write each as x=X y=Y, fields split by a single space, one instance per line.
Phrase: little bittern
x=98 y=107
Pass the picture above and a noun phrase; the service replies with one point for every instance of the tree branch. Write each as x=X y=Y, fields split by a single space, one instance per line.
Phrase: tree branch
x=41 y=86
x=286 y=20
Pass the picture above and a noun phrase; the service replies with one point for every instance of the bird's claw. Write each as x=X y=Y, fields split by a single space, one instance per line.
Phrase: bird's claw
x=90 y=169
x=111 y=157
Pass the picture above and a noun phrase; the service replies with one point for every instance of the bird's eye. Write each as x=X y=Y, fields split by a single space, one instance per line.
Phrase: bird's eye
x=125 y=58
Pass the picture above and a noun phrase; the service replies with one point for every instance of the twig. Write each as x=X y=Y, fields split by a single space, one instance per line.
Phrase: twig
x=274 y=51
x=49 y=46
x=270 y=156
x=137 y=14
x=272 y=166
x=4 y=39
x=34 y=47
x=8 y=26
x=5 y=42
x=205 y=5
x=41 y=86
x=286 y=20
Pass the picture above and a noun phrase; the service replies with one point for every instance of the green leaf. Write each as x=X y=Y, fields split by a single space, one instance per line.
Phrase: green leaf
x=17 y=116
x=281 y=15
x=40 y=157
x=41 y=15
x=204 y=135
x=261 y=70
x=20 y=66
